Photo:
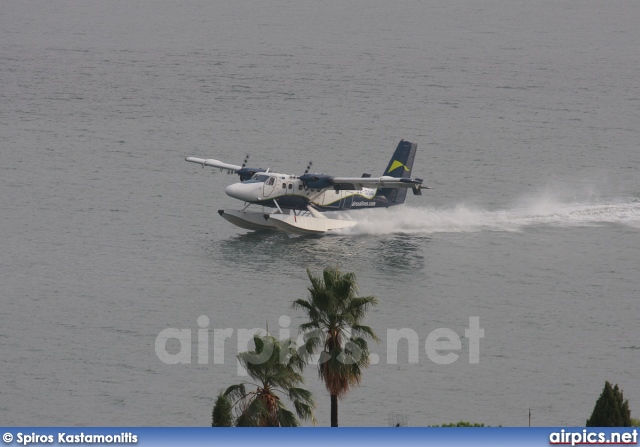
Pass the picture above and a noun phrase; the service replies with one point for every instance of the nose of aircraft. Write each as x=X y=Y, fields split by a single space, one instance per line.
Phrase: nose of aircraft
x=247 y=192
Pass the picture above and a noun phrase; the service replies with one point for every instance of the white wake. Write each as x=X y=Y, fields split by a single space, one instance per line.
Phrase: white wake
x=466 y=218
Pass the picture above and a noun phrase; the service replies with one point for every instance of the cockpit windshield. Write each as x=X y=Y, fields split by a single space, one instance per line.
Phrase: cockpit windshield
x=261 y=177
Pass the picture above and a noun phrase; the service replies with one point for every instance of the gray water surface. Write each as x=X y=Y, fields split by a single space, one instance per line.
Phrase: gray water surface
x=526 y=117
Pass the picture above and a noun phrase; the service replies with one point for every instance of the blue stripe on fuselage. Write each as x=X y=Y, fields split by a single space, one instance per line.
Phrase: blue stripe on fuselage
x=354 y=202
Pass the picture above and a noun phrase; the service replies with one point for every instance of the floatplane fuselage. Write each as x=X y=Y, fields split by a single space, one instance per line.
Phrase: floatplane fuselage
x=295 y=204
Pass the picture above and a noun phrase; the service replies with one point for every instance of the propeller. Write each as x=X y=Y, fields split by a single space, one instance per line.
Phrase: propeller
x=245 y=172
x=306 y=171
x=244 y=164
x=304 y=177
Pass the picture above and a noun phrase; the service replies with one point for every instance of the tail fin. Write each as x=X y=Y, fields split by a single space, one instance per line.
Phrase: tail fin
x=399 y=166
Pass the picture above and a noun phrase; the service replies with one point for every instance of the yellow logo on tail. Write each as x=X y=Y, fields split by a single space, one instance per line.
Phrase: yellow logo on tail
x=395 y=165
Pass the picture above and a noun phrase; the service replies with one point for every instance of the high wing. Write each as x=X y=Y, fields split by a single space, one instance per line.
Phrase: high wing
x=355 y=183
x=243 y=171
x=214 y=163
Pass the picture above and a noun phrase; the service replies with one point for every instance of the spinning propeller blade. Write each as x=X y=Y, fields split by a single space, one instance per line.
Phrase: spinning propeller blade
x=306 y=171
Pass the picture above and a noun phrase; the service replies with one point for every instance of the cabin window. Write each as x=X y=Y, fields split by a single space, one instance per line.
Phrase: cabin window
x=271 y=181
x=284 y=186
x=290 y=185
x=299 y=187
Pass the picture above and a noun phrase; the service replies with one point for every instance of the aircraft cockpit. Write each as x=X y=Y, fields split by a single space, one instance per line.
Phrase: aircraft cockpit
x=262 y=178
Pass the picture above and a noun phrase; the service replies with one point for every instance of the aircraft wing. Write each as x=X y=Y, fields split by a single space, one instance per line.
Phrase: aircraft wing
x=354 y=183
x=214 y=163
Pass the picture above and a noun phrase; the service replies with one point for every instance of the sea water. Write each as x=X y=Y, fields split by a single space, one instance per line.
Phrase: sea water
x=526 y=118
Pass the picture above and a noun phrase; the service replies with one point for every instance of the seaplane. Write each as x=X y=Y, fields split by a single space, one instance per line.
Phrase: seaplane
x=295 y=204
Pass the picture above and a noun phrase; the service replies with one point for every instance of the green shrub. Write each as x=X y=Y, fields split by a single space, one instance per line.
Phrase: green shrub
x=611 y=410
x=461 y=424
x=221 y=415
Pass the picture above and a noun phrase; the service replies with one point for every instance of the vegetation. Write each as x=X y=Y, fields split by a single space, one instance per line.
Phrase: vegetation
x=275 y=366
x=221 y=415
x=335 y=315
x=611 y=410
x=461 y=424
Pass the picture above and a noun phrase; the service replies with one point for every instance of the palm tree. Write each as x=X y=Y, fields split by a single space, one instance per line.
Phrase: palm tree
x=276 y=367
x=335 y=314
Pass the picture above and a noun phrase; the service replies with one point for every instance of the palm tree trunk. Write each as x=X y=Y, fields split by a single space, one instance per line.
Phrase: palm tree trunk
x=334 y=410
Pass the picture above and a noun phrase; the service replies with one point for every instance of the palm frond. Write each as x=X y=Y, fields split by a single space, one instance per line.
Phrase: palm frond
x=256 y=414
x=301 y=395
x=304 y=411
x=235 y=392
x=360 y=331
x=277 y=367
x=287 y=418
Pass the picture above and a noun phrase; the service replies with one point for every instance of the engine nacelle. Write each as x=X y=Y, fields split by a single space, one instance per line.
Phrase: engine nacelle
x=247 y=173
x=317 y=181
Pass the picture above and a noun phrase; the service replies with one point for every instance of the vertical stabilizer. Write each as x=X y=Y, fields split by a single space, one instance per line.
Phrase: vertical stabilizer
x=399 y=166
